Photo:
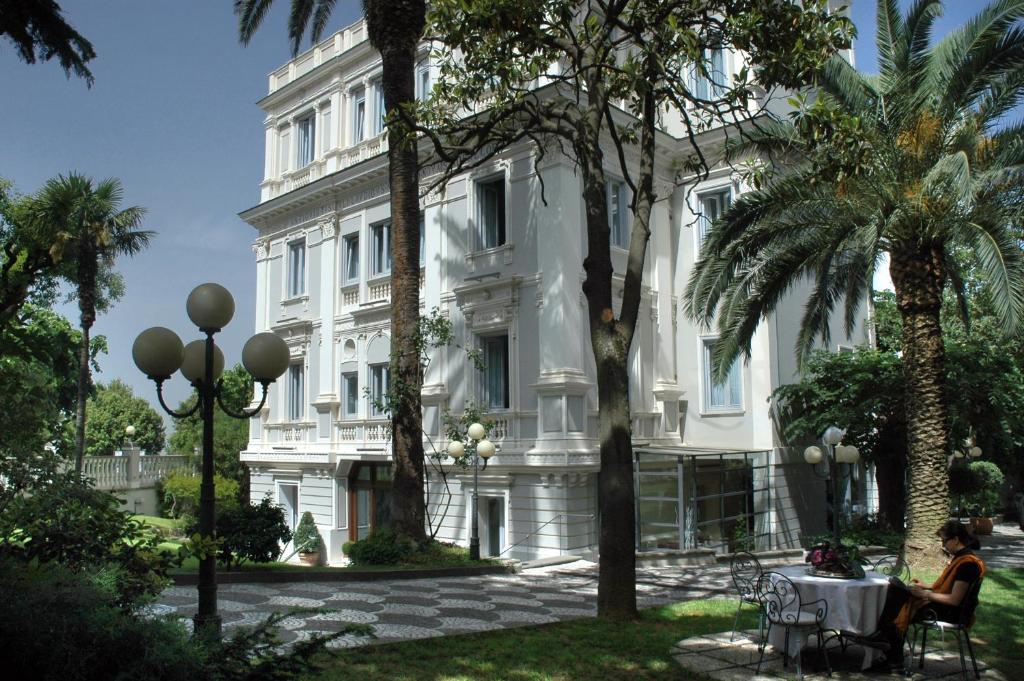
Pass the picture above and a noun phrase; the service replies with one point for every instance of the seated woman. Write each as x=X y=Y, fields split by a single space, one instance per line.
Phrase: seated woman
x=942 y=600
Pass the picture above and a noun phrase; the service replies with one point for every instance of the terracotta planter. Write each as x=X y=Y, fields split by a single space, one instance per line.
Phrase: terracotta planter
x=310 y=559
x=981 y=525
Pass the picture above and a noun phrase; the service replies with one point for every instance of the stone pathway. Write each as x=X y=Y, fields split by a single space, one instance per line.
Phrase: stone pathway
x=404 y=609
x=715 y=656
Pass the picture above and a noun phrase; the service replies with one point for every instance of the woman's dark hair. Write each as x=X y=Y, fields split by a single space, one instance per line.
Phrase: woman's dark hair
x=954 y=529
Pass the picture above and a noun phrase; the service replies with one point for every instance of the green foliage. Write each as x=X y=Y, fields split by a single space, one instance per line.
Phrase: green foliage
x=57 y=625
x=38 y=370
x=230 y=435
x=382 y=547
x=180 y=494
x=307 y=536
x=111 y=409
x=252 y=533
x=68 y=522
x=983 y=500
x=867 y=530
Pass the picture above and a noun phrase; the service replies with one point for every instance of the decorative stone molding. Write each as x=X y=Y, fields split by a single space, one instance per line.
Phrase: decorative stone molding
x=261 y=249
x=328 y=228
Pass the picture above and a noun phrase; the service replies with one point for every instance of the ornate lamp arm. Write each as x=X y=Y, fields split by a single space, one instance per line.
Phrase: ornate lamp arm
x=175 y=414
x=244 y=413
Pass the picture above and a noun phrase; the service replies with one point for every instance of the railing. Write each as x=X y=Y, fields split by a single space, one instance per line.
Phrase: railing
x=374 y=431
x=381 y=291
x=132 y=471
x=341 y=41
x=292 y=432
x=589 y=516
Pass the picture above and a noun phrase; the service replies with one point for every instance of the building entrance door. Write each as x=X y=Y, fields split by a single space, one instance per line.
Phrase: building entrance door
x=494 y=523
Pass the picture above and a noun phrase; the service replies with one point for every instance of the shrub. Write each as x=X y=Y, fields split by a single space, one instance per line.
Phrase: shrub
x=382 y=547
x=252 y=532
x=307 y=536
x=65 y=626
x=57 y=625
x=984 y=499
x=66 y=521
x=180 y=494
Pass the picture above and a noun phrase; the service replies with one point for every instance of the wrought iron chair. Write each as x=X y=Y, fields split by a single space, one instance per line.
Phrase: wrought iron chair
x=782 y=607
x=746 y=570
x=893 y=566
x=960 y=628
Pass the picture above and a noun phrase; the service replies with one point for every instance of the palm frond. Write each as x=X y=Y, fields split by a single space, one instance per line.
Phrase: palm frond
x=1001 y=257
x=889 y=40
x=298 y=20
x=324 y=8
x=250 y=15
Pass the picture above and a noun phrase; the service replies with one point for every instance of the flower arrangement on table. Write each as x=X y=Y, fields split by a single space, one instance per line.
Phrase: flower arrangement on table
x=839 y=561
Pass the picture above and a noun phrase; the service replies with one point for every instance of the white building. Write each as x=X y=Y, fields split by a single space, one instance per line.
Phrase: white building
x=506 y=270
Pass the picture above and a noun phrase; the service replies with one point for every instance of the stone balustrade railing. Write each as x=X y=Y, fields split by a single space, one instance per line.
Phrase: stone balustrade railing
x=132 y=470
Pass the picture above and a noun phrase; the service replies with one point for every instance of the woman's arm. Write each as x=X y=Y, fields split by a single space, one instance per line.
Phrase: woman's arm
x=954 y=598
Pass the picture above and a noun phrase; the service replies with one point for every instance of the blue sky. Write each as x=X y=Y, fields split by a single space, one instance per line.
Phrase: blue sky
x=173 y=115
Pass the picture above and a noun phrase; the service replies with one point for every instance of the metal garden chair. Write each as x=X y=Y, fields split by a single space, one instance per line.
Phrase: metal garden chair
x=782 y=607
x=960 y=629
x=893 y=566
x=746 y=570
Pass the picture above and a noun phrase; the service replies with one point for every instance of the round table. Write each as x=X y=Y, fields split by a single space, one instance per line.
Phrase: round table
x=853 y=606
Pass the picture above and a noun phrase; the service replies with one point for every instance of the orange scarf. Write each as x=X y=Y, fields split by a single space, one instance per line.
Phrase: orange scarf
x=942 y=585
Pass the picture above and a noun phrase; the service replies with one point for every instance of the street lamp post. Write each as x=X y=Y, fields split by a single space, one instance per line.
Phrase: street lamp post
x=159 y=353
x=963 y=457
x=836 y=454
x=481 y=448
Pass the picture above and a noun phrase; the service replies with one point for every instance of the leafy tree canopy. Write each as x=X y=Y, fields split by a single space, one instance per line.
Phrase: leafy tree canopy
x=113 y=408
x=40 y=33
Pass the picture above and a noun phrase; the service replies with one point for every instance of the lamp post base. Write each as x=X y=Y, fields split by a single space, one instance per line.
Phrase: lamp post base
x=474 y=548
x=207 y=625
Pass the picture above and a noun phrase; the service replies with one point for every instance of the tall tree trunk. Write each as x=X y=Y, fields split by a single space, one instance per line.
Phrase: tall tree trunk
x=395 y=28
x=87 y=308
x=918 y=277
x=616 y=585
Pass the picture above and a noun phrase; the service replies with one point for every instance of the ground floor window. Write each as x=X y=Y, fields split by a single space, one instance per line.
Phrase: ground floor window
x=369 y=498
x=703 y=500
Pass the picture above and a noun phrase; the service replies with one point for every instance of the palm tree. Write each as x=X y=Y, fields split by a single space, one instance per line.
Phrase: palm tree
x=395 y=28
x=91 y=231
x=911 y=164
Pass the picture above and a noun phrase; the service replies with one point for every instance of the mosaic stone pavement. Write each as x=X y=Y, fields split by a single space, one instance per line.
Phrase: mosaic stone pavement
x=405 y=609
x=723 y=660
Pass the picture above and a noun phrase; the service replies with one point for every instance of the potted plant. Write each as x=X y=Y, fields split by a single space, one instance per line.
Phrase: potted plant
x=308 y=540
x=984 y=499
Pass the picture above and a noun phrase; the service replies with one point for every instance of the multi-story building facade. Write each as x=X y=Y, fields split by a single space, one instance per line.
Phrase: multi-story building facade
x=505 y=268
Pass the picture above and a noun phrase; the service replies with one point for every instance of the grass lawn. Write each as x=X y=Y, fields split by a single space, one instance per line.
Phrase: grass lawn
x=589 y=649
x=584 y=649
x=166 y=524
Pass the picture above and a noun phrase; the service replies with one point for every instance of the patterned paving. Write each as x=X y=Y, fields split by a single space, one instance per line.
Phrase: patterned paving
x=422 y=608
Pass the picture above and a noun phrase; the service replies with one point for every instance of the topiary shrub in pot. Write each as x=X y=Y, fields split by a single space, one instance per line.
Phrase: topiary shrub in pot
x=984 y=500
x=307 y=540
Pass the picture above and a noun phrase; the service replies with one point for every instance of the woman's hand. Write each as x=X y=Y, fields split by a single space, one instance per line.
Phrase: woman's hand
x=918 y=592
x=915 y=581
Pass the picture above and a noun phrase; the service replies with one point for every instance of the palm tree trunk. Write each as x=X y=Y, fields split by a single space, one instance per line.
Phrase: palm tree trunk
x=86 y=285
x=918 y=277
x=395 y=27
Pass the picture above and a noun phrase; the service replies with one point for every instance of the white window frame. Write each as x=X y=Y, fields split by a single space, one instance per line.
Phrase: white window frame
x=707 y=87
x=296 y=398
x=424 y=82
x=349 y=393
x=358 y=116
x=284 y=141
x=487 y=398
x=617 y=195
x=379 y=111
x=380 y=232
x=732 y=389
x=378 y=380
x=305 y=138
x=721 y=199
x=492 y=235
x=296 y=271
x=350 y=247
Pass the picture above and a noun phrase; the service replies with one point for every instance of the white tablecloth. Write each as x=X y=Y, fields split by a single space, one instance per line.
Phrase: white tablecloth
x=853 y=606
